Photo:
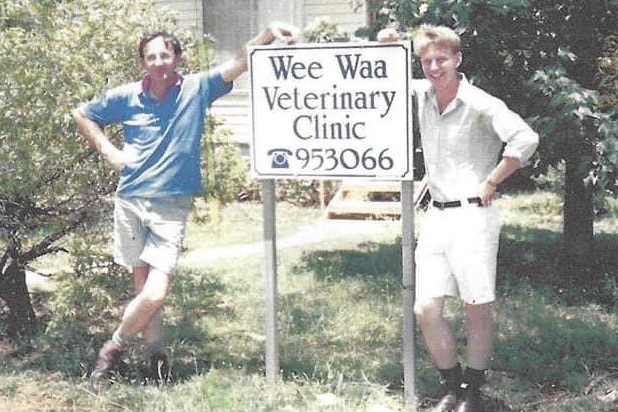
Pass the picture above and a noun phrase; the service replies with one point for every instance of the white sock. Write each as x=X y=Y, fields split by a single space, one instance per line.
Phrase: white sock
x=119 y=340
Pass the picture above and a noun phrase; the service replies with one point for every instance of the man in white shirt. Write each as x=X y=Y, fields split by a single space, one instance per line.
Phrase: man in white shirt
x=471 y=143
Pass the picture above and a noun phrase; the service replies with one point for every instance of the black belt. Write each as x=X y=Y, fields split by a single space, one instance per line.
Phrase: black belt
x=455 y=203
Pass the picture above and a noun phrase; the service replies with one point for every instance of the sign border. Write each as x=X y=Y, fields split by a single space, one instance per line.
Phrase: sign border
x=408 y=173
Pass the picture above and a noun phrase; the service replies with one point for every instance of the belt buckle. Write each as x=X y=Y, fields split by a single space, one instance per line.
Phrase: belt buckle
x=474 y=201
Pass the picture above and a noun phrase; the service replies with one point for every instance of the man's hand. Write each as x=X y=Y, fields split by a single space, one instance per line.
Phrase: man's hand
x=488 y=192
x=95 y=135
x=118 y=159
x=283 y=32
x=488 y=189
x=388 y=35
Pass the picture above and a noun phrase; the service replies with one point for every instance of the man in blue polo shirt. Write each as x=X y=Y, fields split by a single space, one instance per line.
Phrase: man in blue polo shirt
x=162 y=118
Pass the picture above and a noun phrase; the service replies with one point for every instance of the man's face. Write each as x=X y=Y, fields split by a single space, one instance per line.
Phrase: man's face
x=440 y=65
x=159 y=60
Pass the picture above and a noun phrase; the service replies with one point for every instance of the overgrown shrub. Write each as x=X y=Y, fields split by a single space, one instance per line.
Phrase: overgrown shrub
x=306 y=193
x=322 y=30
x=225 y=169
x=87 y=303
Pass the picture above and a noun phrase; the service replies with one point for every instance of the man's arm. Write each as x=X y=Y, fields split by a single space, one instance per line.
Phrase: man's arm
x=236 y=66
x=95 y=135
x=521 y=143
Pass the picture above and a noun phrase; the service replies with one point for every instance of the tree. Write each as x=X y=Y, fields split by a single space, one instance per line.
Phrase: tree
x=542 y=57
x=56 y=54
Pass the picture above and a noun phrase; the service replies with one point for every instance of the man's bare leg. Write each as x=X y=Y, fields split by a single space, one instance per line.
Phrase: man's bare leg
x=440 y=342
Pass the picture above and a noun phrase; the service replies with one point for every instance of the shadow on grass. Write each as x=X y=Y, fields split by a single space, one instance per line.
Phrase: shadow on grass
x=373 y=262
x=527 y=257
x=553 y=320
x=531 y=258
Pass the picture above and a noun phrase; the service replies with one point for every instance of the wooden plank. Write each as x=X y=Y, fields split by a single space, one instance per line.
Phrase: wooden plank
x=352 y=199
x=363 y=207
x=370 y=186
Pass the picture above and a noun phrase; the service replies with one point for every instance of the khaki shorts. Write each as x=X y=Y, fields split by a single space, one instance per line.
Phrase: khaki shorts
x=150 y=231
x=457 y=252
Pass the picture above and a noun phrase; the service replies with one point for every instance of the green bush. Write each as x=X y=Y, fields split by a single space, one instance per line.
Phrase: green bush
x=322 y=30
x=225 y=168
x=86 y=304
x=305 y=193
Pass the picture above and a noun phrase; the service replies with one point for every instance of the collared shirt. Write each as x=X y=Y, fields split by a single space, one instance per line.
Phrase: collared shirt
x=462 y=145
x=165 y=135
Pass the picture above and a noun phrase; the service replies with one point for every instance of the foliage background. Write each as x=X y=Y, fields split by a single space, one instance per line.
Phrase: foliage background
x=56 y=55
x=340 y=301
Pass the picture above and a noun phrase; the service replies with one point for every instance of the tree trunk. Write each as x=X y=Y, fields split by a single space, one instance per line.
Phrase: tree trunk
x=14 y=291
x=578 y=231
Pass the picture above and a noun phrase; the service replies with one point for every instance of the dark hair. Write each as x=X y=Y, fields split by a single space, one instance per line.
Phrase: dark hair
x=168 y=39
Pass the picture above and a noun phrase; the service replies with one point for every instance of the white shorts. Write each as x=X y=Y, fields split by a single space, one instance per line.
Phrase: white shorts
x=456 y=254
x=150 y=231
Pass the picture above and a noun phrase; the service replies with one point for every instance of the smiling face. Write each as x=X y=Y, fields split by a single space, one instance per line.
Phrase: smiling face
x=439 y=50
x=440 y=63
x=159 y=60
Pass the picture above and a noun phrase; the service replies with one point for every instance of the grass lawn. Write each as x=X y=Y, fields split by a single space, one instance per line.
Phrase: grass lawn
x=339 y=321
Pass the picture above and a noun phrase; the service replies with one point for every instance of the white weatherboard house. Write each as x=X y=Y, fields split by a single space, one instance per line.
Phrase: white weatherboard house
x=232 y=22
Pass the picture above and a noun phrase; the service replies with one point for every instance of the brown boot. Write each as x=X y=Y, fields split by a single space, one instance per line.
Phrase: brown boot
x=108 y=360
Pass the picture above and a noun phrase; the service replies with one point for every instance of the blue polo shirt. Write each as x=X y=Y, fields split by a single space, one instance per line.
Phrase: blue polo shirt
x=164 y=135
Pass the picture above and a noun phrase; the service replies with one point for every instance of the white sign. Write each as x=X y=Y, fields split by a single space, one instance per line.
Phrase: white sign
x=333 y=110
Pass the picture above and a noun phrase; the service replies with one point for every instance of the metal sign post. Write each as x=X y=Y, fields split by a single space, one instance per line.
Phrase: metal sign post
x=333 y=111
x=408 y=284
x=270 y=279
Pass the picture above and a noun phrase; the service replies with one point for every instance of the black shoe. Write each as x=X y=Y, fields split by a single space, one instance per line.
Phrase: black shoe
x=109 y=357
x=471 y=400
x=450 y=380
x=448 y=403
x=159 y=368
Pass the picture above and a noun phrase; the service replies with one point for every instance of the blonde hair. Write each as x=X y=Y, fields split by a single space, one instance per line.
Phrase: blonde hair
x=428 y=34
